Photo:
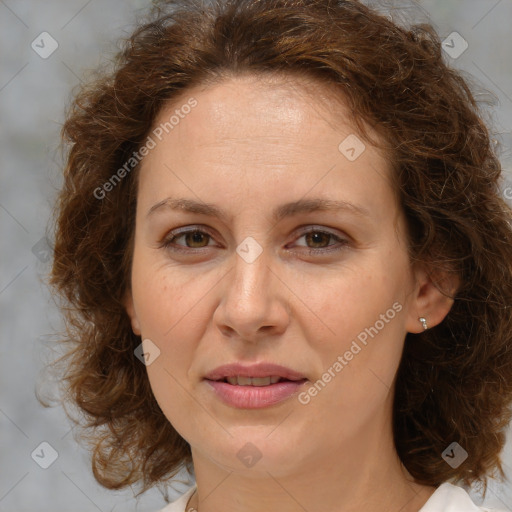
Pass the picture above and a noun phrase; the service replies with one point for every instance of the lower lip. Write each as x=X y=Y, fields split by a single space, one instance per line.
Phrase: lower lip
x=255 y=397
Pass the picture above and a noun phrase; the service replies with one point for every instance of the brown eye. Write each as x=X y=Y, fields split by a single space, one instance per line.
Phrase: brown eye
x=194 y=239
x=318 y=239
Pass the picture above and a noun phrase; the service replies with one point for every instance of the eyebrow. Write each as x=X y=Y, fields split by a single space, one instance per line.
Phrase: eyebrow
x=282 y=211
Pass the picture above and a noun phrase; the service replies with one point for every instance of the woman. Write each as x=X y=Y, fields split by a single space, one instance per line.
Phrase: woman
x=286 y=263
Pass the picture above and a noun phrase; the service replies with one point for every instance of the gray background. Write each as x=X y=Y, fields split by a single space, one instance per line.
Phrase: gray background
x=33 y=94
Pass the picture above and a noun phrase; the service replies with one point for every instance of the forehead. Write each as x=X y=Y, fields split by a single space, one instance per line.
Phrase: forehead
x=280 y=135
x=265 y=106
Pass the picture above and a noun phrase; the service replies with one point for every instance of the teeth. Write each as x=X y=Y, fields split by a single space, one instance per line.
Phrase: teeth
x=252 y=381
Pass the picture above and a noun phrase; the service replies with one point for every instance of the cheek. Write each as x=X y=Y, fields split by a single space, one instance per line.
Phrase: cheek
x=170 y=316
x=164 y=307
x=358 y=331
x=169 y=310
x=346 y=301
x=164 y=297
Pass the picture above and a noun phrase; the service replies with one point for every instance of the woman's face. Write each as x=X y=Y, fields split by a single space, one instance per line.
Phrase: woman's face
x=275 y=276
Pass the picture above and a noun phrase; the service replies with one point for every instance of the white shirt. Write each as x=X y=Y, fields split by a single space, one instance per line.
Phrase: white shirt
x=446 y=498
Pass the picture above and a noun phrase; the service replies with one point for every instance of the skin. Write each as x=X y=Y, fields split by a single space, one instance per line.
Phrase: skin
x=250 y=145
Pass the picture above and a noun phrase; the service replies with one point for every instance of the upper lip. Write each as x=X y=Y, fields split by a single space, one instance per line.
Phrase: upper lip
x=254 y=370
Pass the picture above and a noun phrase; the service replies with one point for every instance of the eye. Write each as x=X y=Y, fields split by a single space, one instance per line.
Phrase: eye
x=194 y=239
x=317 y=240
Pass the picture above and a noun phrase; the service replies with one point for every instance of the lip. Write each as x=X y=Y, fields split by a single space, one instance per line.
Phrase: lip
x=254 y=370
x=254 y=397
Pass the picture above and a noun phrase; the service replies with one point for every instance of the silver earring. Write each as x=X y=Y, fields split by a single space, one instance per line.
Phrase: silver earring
x=423 y=322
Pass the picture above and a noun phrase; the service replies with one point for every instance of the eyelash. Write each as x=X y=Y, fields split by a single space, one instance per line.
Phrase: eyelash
x=167 y=243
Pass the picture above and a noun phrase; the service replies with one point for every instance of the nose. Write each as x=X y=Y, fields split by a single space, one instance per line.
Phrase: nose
x=253 y=304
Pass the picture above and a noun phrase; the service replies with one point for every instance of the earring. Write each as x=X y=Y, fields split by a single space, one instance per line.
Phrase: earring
x=423 y=322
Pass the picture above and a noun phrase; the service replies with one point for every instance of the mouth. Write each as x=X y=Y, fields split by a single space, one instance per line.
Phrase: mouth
x=256 y=386
x=260 y=374
x=240 y=380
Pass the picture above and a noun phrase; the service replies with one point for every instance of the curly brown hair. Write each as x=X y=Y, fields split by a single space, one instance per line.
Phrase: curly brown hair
x=454 y=382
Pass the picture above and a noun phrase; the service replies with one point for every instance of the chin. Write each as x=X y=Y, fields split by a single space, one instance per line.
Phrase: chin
x=252 y=453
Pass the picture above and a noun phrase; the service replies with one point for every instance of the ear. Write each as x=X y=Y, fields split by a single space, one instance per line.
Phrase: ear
x=431 y=298
x=130 y=309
